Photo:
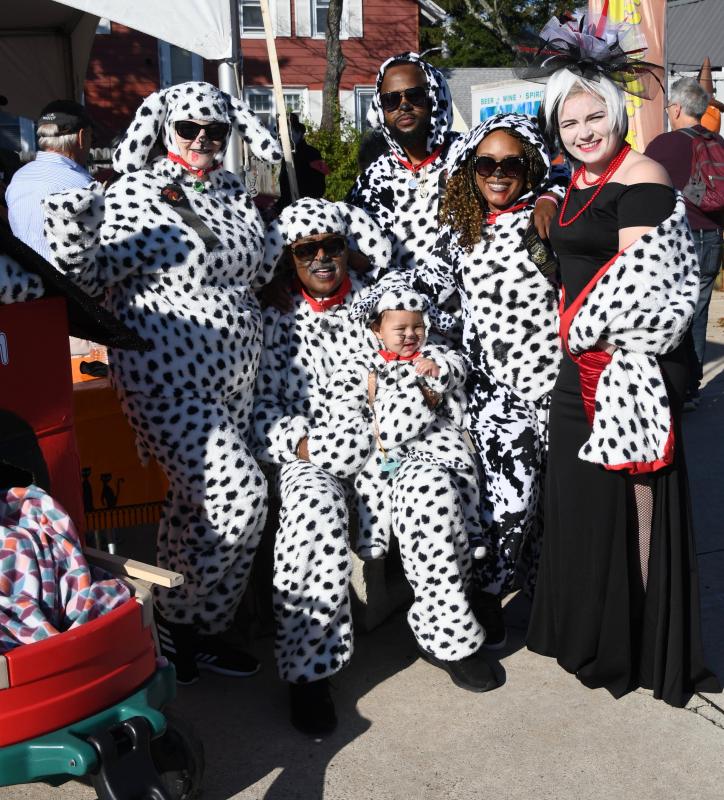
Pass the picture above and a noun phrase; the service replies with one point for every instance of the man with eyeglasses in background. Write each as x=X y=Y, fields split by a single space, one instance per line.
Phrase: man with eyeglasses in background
x=402 y=188
x=64 y=132
x=674 y=150
x=313 y=459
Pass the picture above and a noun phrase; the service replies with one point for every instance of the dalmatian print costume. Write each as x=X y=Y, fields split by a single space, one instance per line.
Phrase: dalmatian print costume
x=510 y=339
x=176 y=261
x=420 y=483
x=405 y=203
x=402 y=202
x=16 y=284
x=643 y=305
x=302 y=349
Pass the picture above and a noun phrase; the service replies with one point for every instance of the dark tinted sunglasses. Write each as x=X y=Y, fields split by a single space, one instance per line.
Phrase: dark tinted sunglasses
x=510 y=166
x=416 y=96
x=216 y=131
x=332 y=246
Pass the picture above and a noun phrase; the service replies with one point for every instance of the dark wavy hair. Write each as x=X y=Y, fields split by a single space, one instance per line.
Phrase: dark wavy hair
x=464 y=207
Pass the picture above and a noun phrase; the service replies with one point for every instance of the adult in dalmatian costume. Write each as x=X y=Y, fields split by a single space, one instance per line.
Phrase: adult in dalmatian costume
x=617 y=599
x=302 y=348
x=402 y=188
x=421 y=483
x=490 y=254
x=176 y=246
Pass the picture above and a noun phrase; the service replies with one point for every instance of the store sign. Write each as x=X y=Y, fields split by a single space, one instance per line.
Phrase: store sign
x=505 y=97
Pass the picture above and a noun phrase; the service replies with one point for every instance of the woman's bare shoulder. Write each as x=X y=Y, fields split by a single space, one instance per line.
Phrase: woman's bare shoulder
x=639 y=168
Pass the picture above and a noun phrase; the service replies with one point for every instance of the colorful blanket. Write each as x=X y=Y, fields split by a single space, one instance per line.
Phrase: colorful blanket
x=46 y=585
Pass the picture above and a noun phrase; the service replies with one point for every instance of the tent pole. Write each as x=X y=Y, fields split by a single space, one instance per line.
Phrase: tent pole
x=228 y=83
x=279 y=99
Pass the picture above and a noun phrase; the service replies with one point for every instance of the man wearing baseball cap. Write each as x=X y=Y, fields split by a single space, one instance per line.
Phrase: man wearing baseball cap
x=64 y=132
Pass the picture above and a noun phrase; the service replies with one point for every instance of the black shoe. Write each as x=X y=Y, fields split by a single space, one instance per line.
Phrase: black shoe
x=177 y=644
x=472 y=672
x=488 y=610
x=312 y=708
x=217 y=655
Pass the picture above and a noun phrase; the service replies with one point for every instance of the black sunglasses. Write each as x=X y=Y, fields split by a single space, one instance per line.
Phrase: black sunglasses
x=216 y=131
x=510 y=166
x=416 y=96
x=332 y=246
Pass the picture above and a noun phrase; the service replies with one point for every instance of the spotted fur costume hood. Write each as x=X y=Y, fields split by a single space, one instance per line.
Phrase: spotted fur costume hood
x=407 y=213
x=643 y=305
x=510 y=310
x=311 y=217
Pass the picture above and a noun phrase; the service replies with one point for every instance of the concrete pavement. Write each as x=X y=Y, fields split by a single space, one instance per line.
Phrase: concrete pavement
x=406 y=732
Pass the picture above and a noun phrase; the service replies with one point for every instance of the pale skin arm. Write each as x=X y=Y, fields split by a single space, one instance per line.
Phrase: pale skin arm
x=641 y=170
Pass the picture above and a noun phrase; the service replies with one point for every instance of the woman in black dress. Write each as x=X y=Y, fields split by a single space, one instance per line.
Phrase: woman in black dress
x=617 y=599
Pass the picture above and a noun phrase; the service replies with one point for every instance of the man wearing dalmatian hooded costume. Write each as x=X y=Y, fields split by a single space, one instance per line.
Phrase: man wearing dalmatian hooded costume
x=176 y=246
x=421 y=483
x=403 y=187
x=510 y=342
x=302 y=348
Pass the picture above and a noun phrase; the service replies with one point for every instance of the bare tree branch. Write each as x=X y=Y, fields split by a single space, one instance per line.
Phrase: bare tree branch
x=488 y=13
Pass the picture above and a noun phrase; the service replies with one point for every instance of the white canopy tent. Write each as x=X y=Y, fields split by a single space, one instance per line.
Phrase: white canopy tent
x=45 y=46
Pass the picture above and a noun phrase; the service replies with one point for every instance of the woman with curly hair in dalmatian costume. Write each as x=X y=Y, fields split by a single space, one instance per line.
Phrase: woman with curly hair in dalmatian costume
x=314 y=460
x=421 y=481
x=402 y=189
x=176 y=245
x=489 y=253
x=617 y=600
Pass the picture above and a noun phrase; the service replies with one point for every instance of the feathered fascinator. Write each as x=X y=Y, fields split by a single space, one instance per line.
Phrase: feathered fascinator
x=590 y=49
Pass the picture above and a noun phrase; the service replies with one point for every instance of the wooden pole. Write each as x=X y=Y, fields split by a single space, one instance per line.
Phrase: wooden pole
x=279 y=99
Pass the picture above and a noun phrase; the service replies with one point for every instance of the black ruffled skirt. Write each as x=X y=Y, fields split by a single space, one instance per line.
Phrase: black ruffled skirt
x=590 y=610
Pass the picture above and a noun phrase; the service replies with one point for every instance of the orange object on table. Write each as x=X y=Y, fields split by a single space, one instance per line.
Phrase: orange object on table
x=118 y=491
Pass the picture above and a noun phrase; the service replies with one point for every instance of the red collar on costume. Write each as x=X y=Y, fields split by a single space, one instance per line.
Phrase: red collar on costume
x=199 y=173
x=492 y=216
x=389 y=356
x=320 y=304
x=417 y=167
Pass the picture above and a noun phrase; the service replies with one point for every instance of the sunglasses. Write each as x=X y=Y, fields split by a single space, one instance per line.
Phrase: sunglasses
x=215 y=131
x=416 y=96
x=332 y=246
x=510 y=166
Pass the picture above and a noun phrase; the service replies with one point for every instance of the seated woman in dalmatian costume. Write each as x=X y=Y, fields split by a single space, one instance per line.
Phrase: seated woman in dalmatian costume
x=489 y=253
x=176 y=245
x=420 y=482
x=302 y=348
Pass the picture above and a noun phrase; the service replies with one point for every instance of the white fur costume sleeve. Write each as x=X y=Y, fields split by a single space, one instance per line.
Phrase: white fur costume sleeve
x=643 y=304
x=17 y=285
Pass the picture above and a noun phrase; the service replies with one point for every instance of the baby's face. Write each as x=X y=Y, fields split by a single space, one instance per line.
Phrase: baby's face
x=401 y=332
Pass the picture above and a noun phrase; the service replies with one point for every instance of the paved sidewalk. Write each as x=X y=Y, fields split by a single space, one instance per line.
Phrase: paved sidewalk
x=406 y=732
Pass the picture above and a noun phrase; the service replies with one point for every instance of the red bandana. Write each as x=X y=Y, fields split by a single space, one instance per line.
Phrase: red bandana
x=492 y=216
x=390 y=356
x=320 y=304
x=199 y=173
x=418 y=167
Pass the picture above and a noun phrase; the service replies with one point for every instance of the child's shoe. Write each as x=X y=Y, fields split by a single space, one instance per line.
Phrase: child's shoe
x=215 y=654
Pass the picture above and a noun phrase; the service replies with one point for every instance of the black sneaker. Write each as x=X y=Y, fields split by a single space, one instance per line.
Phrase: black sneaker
x=217 y=655
x=488 y=610
x=312 y=708
x=472 y=672
x=177 y=645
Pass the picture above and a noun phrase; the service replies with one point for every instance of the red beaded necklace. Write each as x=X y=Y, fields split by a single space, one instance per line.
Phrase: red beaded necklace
x=616 y=162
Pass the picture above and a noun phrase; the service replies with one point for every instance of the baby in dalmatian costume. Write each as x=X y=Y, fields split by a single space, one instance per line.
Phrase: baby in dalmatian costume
x=415 y=390
x=314 y=460
x=176 y=250
x=421 y=482
x=510 y=341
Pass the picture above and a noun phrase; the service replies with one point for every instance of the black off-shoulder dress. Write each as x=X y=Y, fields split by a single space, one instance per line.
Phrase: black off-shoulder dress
x=591 y=611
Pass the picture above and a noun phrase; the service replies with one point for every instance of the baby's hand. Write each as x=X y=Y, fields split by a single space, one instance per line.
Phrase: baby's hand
x=426 y=366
